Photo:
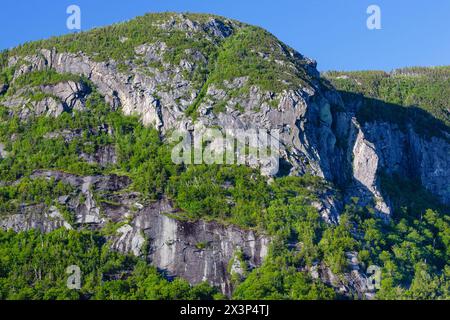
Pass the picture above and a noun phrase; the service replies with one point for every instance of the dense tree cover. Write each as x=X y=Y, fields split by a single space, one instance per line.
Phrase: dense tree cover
x=44 y=77
x=42 y=143
x=413 y=252
x=30 y=149
x=412 y=248
x=34 y=266
x=226 y=193
x=30 y=192
x=230 y=194
x=275 y=280
x=424 y=91
x=426 y=88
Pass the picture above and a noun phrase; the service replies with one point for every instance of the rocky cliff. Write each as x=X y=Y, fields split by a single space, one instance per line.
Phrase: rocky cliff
x=197 y=251
x=172 y=83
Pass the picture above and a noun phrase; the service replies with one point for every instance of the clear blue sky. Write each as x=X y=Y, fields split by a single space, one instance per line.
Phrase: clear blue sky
x=334 y=32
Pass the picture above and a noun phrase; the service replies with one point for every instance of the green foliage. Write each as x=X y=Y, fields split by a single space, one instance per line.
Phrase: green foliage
x=409 y=198
x=44 y=77
x=118 y=41
x=31 y=150
x=6 y=75
x=28 y=270
x=413 y=250
x=249 y=51
x=241 y=196
x=276 y=281
x=253 y=52
x=227 y=193
x=230 y=194
x=28 y=192
x=143 y=156
x=192 y=109
x=220 y=107
x=335 y=242
x=201 y=245
x=419 y=96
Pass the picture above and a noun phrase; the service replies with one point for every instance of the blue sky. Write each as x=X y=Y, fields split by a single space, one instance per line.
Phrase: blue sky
x=333 y=32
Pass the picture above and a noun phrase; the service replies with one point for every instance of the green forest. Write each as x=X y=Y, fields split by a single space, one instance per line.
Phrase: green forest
x=419 y=96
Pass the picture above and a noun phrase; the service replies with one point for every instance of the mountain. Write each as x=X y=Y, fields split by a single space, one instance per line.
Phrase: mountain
x=86 y=154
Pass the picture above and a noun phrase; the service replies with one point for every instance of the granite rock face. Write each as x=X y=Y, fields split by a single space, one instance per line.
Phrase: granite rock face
x=412 y=155
x=197 y=251
x=311 y=120
x=3 y=153
x=302 y=117
x=354 y=282
x=319 y=134
x=38 y=217
x=366 y=164
x=56 y=99
x=381 y=147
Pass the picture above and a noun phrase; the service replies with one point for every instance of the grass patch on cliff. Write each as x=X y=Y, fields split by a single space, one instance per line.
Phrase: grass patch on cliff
x=254 y=53
x=44 y=77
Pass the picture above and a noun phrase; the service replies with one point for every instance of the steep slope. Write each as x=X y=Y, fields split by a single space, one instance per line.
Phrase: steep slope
x=84 y=144
x=182 y=68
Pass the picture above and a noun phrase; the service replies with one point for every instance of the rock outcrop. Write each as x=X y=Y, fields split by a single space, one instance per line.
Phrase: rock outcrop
x=411 y=155
x=53 y=100
x=35 y=217
x=354 y=282
x=197 y=251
